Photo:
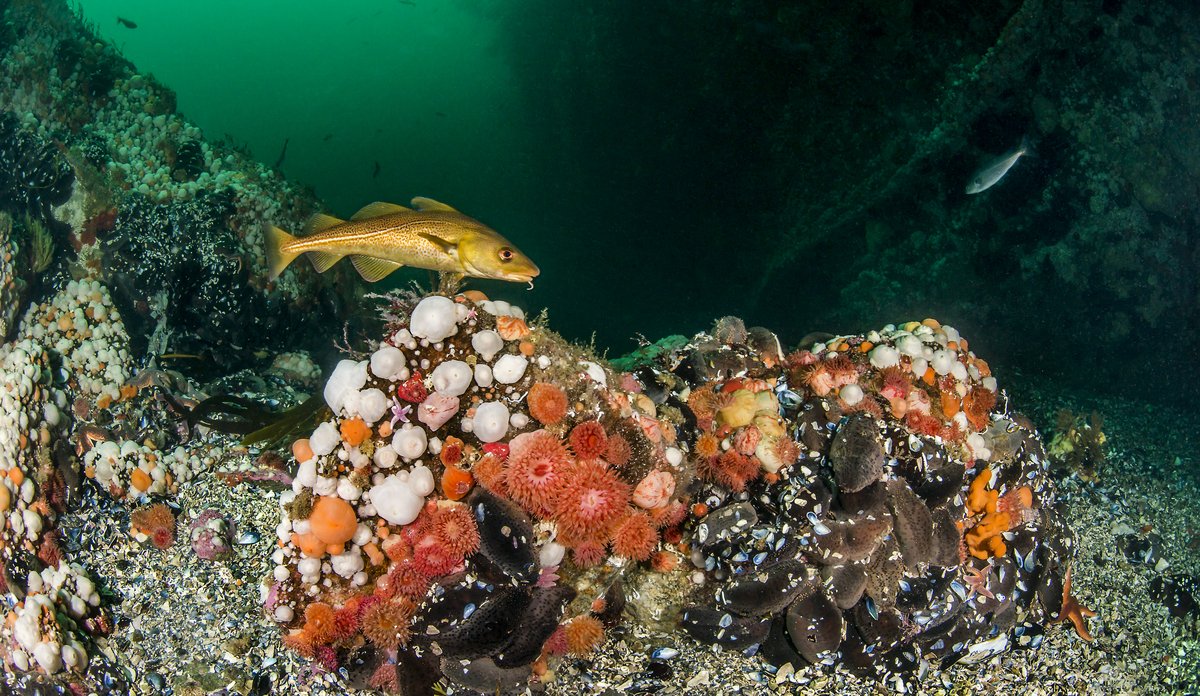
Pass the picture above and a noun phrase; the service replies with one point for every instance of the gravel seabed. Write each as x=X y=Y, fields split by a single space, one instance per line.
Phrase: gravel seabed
x=196 y=627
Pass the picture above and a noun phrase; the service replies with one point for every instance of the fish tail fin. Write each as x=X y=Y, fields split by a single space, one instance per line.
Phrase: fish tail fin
x=1027 y=146
x=278 y=258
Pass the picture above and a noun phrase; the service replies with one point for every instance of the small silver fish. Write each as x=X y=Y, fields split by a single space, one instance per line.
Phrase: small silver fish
x=995 y=170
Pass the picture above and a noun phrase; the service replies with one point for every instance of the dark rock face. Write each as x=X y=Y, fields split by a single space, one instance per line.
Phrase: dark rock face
x=33 y=174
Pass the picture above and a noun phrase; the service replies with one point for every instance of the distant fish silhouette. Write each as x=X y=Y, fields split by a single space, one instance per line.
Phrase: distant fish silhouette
x=375 y=174
x=994 y=171
x=327 y=138
x=127 y=23
x=441 y=113
x=282 y=154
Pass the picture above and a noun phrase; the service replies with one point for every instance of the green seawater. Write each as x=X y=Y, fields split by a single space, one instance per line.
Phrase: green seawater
x=801 y=166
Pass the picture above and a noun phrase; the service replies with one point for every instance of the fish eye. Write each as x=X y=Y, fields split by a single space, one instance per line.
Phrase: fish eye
x=506 y=254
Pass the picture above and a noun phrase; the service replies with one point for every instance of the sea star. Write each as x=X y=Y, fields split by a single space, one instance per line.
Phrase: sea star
x=399 y=413
x=1073 y=611
x=977 y=580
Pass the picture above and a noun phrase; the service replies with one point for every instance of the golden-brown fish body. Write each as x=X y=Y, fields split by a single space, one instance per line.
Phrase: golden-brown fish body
x=383 y=237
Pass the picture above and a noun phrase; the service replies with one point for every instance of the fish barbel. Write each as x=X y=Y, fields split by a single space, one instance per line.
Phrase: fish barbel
x=382 y=237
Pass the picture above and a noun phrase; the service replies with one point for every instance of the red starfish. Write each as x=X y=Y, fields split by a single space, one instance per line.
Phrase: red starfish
x=1073 y=611
x=977 y=580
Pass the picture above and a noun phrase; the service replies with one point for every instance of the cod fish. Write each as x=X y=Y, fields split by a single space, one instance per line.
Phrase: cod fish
x=384 y=236
x=995 y=170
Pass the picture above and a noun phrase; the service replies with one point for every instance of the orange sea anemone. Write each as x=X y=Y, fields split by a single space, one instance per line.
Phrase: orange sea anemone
x=547 y=403
x=386 y=624
x=354 y=431
x=511 y=328
x=732 y=469
x=635 y=537
x=319 y=622
x=489 y=471
x=155 y=521
x=707 y=446
x=587 y=554
x=583 y=634
x=591 y=499
x=332 y=521
x=537 y=463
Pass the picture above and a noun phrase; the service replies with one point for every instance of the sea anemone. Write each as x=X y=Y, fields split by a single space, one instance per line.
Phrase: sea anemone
x=454 y=527
x=655 y=490
x=320 y=622
x=591 y=499
x=732 y=469
x=155 y=521
x=489 y=471
x=403 y=580
x=618 y=450
x=664 y=561
x=977 y=404
x=635 y=537
x=587 y=554
x=547 y=403
x=556 y=644
x=583 y=634
x=588 y=440
x=537 y=463
x=332 y=521
x=386 y=624
x=354 y=431
x=841 y=370
x=746 y=439
x=818 y=379
x=707 y=446
x=433 y=558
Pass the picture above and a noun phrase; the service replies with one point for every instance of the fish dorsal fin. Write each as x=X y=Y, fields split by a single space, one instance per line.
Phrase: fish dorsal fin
x=427 y=204
x=371 y=268
x=321 y=222
x=449 y=248
x=323 y=260
x=378 y=208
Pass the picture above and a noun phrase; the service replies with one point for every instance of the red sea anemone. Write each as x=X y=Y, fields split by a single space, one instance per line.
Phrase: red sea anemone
x=590 y=500
x=537 y=463
x=588 y=440
x=547 y=403
x=403 y=580
x=746 y=439
x=635 y=537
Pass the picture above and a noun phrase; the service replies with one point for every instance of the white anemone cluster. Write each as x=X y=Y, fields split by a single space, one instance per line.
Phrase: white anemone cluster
x=30 y=413
x=81 y=324
x=389 y=477
x=38 y=640
x=134 y=469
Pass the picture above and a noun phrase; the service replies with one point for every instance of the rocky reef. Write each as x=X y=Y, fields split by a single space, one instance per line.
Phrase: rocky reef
x=473 y=501
x=486 y=496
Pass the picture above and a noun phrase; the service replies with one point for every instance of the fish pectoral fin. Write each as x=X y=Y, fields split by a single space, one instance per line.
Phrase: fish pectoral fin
x=323 y=260
x=378 y=208
x=321 y=222
x=426 y=204
x=448 y=248
x=372 y=269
